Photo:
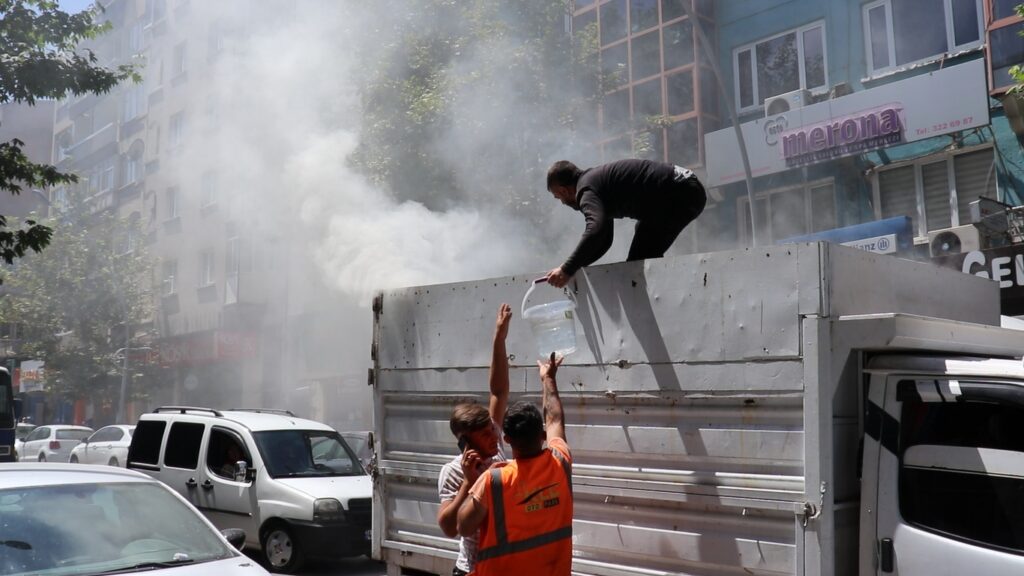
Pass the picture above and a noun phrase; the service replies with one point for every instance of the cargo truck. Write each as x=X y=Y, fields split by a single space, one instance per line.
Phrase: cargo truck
x=805 y=409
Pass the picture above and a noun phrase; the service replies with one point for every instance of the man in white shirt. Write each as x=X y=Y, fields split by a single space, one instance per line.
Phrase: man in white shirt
x=478 y=431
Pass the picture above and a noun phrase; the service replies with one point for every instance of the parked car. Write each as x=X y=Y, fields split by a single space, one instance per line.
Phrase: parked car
x=76 y=520
x=361 y=442
x=20 y=432
x=108 y=445
x=51 y=443
x=293 y=485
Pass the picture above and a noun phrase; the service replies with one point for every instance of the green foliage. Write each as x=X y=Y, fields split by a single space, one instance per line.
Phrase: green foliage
x=1017 y=72
x=448 y=55
x=71 y=304
x=39 y=58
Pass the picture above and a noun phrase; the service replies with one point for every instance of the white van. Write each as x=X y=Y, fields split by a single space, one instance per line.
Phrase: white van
x=292 y=484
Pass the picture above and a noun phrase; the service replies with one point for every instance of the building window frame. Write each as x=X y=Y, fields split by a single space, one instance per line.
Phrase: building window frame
x=951 y=46
x=169 y=284
x=758 y=102
x=921 y=216
x=992 y=25
x=807 y=188
x=206 y=269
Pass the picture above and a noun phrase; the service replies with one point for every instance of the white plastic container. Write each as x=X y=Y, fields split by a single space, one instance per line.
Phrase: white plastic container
x=553 y=325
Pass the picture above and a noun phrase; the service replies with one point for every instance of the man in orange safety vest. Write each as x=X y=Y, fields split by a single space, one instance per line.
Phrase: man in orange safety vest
x=523 y=508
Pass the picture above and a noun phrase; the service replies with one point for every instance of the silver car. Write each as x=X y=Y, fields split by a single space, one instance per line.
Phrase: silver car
x=52 y=443
x=108 y=445
x=68 y=520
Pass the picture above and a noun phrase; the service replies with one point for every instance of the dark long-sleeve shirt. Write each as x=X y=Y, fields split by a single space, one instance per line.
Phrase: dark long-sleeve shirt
x=621 y=189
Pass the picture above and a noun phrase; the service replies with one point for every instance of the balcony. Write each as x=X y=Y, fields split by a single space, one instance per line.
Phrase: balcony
x=99 y=141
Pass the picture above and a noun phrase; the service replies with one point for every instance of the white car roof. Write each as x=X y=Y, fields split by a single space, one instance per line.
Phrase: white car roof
x=254 y=421
x=30 y=474
x=64 y=427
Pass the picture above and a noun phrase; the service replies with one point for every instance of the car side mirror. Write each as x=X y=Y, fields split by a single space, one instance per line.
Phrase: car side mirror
x=241 y=471
x=234 y=536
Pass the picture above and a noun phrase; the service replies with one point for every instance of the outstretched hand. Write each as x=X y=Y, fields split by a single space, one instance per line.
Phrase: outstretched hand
x=558 y=278
x=550 y=367
x=501 y=323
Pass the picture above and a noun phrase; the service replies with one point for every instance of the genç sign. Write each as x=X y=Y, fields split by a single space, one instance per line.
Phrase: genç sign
x=1004 y=265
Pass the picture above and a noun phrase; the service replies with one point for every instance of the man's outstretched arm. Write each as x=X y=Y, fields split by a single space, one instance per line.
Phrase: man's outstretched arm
x=554 y=420
x=498 y=377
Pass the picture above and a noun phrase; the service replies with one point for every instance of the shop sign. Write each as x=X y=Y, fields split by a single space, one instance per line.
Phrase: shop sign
x=1004 y=265
x=31 y=376
x=898 y=112
x=209 y=347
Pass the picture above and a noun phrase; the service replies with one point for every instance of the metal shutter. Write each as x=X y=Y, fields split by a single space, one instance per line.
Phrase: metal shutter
x=935 y=181
x=897 y=192
x=975 y=177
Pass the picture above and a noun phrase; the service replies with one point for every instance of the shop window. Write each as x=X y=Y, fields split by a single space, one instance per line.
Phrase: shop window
x=646 y=55
x=781 y=64
x=968 y=456
x=790 y=212
x=902 y=32
x=928 y=190
x=647 y=100
x=680 y=92
x=613 y=21
x=643 y=14
x=146 y=441
x=679 y=47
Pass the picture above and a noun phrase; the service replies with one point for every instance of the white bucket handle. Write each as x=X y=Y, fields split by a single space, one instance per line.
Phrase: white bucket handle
x=530 y=291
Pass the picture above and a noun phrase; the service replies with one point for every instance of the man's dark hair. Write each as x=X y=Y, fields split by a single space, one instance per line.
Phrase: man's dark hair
x=563 y=173
x=524 y=427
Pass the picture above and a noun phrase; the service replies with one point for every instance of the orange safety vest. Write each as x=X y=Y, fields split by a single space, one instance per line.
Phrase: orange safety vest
x=529 y=522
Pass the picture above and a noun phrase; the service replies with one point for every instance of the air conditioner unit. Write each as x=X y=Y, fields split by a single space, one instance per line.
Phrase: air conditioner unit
x=785 y=102
x=949 y=241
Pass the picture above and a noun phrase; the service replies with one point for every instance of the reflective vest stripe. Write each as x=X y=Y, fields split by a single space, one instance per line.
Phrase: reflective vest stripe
x=565 y=466
x=500 y=531
x=524 y=545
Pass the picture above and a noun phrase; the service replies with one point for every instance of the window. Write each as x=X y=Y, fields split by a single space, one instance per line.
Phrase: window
x=146 y=441
x=183 y=445
x=643 y=14
x=224 y=450
x=105 y=176
x=678 y=43
x=134 y=103
x=936 y=191
x=176 y=133
x=172 y=203
x=968 y=456
x=903 y=32
x=135 y=38
x=790 y=212
x=1005 y=45
x=215 y=40
x=232 y=266
x=208 y=189
x=169 y=282
x=646 y=55
x=613 y=21
x=132 y=169
x=791 y=61
x=156 y=10
x=205 y=268
x=179 y=61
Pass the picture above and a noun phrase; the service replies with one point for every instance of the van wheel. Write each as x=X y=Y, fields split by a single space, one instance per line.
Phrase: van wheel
x=113 y=462
x=280 y=551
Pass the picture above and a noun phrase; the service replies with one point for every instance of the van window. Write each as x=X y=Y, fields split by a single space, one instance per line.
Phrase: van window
x=291 y=453
x=183 y=445
x=224 y=451
x=942 y=487
x=145 y=447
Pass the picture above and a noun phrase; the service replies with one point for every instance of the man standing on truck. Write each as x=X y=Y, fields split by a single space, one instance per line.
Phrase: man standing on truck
x=523 y=509
x=662 y=198
x=477 y=430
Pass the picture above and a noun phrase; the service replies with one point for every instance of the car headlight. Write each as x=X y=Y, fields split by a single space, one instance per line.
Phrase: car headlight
x=328 y=510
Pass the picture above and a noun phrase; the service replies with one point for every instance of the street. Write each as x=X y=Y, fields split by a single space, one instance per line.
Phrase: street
x=349 y=567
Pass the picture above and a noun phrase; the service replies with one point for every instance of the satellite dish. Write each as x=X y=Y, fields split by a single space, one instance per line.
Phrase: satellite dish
x=946 y=243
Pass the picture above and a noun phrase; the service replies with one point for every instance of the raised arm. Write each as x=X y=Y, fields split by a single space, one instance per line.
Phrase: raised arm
x=498 y=377
x=554 y=421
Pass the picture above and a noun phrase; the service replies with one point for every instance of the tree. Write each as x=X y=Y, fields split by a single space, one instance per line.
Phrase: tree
x=487 y=87
x=74 y=304
x=40 y=59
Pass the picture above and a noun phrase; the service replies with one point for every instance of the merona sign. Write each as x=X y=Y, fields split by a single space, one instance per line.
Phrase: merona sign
x=841 y=137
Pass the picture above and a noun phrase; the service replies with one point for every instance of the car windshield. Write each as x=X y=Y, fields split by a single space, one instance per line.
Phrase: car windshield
x=73 y=434
x=75 y=529
x=292 y=453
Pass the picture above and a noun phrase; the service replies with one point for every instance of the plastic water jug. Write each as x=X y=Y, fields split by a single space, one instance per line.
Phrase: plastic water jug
x=553 y=325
